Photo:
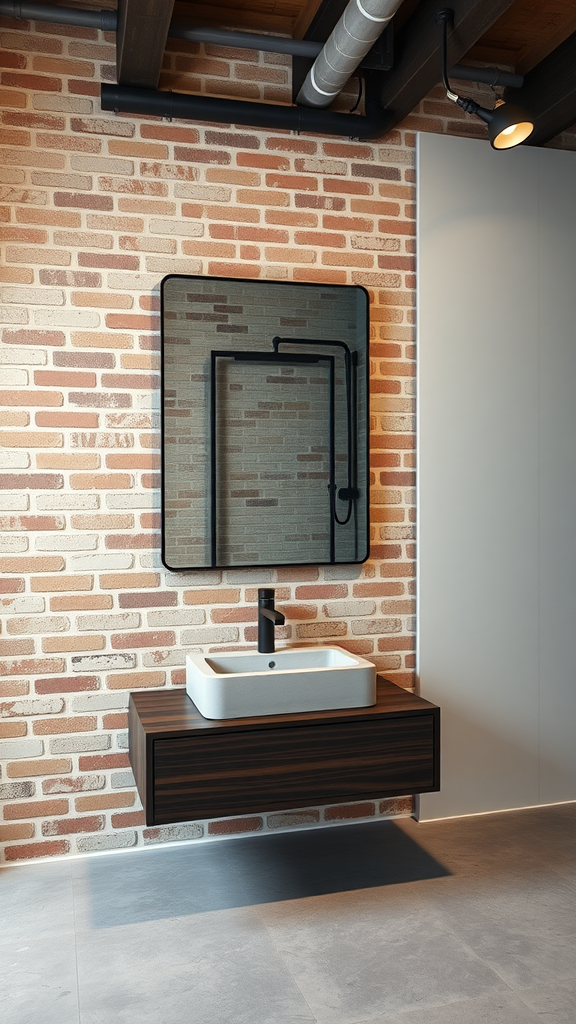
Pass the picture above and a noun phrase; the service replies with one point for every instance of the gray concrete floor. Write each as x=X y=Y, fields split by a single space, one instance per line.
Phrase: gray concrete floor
x=467 y=921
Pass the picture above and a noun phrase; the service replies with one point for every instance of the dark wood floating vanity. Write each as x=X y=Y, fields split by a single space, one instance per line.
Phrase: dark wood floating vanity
x=188 y=767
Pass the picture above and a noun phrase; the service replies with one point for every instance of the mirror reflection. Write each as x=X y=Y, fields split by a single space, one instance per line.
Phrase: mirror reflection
x=264 y=423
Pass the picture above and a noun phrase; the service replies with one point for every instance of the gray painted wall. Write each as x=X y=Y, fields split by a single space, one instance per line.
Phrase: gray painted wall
x=497 y=471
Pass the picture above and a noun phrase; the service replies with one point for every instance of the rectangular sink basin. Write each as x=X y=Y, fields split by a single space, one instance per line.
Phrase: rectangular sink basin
x=246 y=684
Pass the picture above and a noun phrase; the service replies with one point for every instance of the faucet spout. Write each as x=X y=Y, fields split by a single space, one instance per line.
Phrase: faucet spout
x=268 y=617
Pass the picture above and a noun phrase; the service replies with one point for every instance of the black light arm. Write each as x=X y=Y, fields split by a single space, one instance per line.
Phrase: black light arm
x=508 y=124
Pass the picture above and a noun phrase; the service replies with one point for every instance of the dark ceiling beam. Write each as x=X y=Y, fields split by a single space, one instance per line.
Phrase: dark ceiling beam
x=141 y=36
x=549 y=93
x=417 y=47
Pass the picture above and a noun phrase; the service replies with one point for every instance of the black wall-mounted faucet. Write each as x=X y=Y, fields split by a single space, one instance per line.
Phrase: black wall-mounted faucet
x=268 y=617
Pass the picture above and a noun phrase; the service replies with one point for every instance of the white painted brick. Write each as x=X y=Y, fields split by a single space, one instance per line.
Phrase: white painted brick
x=129 y=499
x=14 y=749
x=150 y=560
x=364 y=627
x=345 y=609
x=21 y=708
x=29 y=356
x=13 y=315
x=208 y=578
x=22 y=605
x=13 y=543
x=113 y=841
x=210 y=635
x=108 y=165
x=40 y=624
x=65 y=501
x=189 y=228
x=78 y=744
x=311 y=165
x=101 y=562
x=394 y=155
x=93 y=702
x=70 y=542
x=88 y=663
x=56 y=101
x=203 y=193
x=14 y=460
x=125 y=620
x=67 y=318
x=122 y=740
x=123 y=281
x=342 y=572
x=177 y=617
x=150 y=400
x=122 y=780
x=14 y=377
x=172 y=265
x=249 y=576
x=14 y=502
x=34 y=296
x=82 y=182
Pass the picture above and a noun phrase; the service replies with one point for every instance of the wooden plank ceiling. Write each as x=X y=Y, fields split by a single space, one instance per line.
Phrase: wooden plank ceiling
x=536 y=38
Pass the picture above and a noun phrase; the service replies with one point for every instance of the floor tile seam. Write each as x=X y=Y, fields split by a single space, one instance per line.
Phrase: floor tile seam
x=290 y=973
x=76 y=965
x=465 y=944
x=396 y=1014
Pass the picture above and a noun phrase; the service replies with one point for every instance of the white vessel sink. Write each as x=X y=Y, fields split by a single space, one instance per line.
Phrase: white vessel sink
x=244 y=684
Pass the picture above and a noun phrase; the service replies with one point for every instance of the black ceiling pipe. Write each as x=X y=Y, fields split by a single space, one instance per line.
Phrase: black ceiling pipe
x=131 y=100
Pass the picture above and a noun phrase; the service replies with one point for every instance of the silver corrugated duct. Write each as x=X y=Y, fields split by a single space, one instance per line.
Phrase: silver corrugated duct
x=359 y=27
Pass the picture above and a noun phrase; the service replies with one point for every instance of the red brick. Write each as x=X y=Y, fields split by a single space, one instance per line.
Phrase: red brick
x=67 y=684
x=61 y=379
x=100 y=762
x=344 y=812
x=158 y=638
x=27 y=851
x=231 y=826
x=37 y=83
x=111 y=262
x=35 y=809
x=322 y=591
x=85 y=201
x=28 y=336
x=128 y=819
x=70 y=826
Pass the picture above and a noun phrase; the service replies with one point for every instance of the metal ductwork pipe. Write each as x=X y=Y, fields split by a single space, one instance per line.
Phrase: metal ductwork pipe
x=248 y=40
x=132 y=100
x=354 y=35
x=105 y=20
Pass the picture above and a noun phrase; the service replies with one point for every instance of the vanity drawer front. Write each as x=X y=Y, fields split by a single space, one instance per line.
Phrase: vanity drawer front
x=239 y=772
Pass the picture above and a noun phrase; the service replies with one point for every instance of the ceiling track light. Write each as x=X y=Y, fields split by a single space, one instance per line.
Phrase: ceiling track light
x=508 y=123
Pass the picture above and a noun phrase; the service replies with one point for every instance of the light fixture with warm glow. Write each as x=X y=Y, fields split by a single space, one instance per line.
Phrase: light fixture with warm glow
x=508 y=123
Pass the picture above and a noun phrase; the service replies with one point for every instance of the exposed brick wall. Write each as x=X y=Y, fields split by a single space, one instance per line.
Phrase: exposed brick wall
x=95 y=210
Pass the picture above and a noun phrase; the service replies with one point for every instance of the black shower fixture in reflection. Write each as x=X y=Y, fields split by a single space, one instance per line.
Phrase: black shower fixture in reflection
x=348 y=494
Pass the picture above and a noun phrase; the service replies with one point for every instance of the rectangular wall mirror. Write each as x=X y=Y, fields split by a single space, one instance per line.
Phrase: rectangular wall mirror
x=264 y=423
